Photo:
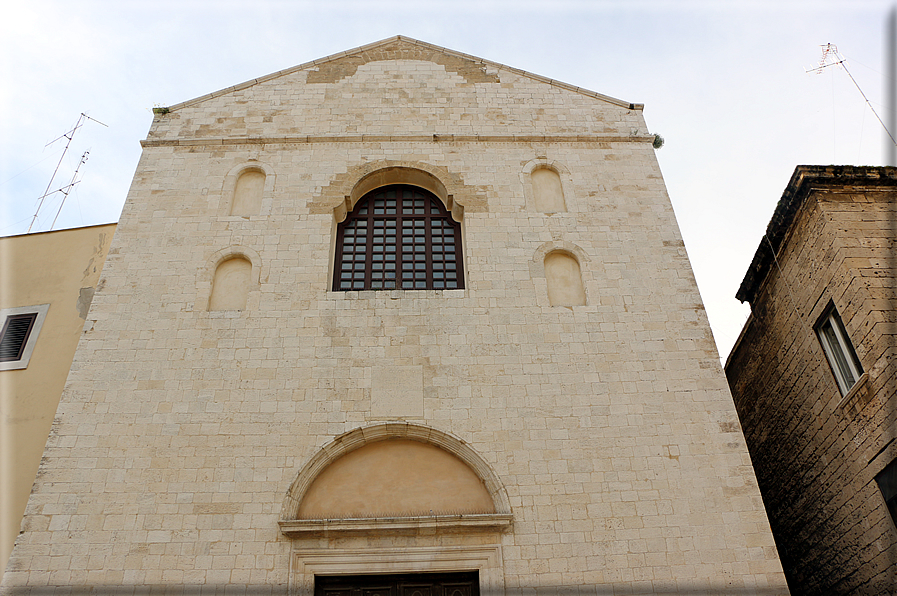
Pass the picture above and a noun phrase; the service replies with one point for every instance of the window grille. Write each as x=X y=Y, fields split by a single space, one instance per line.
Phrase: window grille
x=14 y=336
x=398 y=237
x=463 y=583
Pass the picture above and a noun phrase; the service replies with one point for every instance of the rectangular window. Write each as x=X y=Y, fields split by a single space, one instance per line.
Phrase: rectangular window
x=838 y=350
x=14 y=335
x=19 y=328
x=887 y=484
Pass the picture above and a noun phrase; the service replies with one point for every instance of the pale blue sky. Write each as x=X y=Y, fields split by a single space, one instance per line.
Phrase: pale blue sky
x=722 y=81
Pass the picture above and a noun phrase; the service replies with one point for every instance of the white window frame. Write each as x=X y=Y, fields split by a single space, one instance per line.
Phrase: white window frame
x=41 y=311
x=841 y=356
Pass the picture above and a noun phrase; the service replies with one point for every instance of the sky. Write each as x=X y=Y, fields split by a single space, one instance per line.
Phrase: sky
x=724 y=82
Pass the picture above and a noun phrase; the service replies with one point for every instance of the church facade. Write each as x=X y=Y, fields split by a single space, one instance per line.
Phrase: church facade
x=398 y=316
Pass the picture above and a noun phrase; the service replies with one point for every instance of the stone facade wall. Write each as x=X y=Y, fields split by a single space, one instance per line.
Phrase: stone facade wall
x=608 y=428
x=816 y=452
x=59 y=269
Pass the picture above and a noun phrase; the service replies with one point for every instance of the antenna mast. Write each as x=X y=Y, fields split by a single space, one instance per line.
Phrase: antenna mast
x=831 y=57
x=65 y=189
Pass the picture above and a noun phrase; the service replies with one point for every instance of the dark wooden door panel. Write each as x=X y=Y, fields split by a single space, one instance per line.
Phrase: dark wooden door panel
x=465 y=583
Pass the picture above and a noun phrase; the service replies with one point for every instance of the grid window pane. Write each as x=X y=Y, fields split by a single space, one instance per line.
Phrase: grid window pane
x=398 y=236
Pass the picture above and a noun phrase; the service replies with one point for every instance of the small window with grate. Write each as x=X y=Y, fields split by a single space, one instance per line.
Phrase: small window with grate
x=14 y=335
x=19 y=328
x=398 y=238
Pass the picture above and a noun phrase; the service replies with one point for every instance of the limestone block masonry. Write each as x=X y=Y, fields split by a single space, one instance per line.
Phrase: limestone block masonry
x=817 y=451
x=604 y=433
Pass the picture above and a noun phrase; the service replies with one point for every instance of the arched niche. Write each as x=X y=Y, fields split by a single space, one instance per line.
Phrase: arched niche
x=231 y=284
x=248 y=189
x=248 y=192
x=546 y=185
x=548 y=193
x=205 y=279
x=564 y=279
x=395 y=478
x=399 y=471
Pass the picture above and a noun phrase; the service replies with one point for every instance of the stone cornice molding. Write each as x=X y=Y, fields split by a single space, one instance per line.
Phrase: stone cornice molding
x=806 y=185
x=308 y=139
x=456 y=523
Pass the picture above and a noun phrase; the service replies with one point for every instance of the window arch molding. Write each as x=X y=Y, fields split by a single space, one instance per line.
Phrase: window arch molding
x=555 y=166
x=541 y=162
x=230 y=184
x=335 y=198
x=568 y=247
x=395 y=175
x=359 y=437
x=207 y=274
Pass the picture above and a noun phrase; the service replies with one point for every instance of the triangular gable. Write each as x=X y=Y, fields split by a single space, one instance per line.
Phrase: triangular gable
x=336 y=66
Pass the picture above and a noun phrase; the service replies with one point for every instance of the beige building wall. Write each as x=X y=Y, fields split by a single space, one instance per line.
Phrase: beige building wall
x=817 y=451
x=59 y=269
x=603 y=432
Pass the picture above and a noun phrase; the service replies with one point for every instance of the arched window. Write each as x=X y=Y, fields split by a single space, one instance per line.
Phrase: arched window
x=398 y=237
x=230 y=287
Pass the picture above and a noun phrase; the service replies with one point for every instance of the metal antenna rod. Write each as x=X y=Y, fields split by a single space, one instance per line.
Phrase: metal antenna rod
x=65 y=190
x=832 y=50
x=69 y=135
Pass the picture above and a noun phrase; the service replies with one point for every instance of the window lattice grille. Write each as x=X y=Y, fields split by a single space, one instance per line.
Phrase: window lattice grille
x=398 y=237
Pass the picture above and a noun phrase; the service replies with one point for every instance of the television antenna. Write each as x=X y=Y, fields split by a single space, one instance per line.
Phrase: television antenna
x=65 y=190
x=831 y=57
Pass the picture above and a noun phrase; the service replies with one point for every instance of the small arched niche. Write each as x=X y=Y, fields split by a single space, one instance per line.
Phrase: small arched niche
x=564 y=279
x=395 y=478
x=230 y=286
x=248 y=191
x=548 y=193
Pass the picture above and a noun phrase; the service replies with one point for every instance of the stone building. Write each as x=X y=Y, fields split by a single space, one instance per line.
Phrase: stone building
x=813 y=377
x=394 y=318
x=47 y=281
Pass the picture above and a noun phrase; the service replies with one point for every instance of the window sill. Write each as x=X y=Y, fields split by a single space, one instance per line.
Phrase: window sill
x=225 y=314
x=498 y=522
x=395 y=294
x=856 y=393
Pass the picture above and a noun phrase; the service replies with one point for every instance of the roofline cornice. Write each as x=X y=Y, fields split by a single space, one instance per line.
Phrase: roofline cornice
x=423 y=44
x=804 y=181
